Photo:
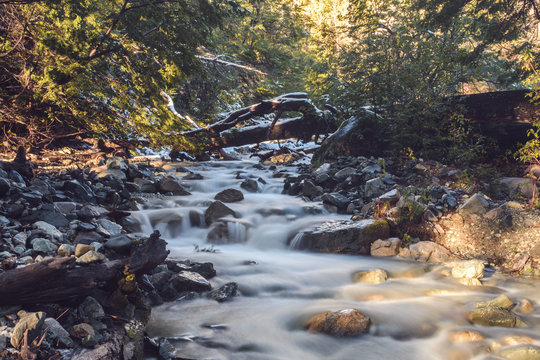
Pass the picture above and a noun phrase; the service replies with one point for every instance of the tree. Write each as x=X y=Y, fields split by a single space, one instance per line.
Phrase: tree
x=97 y=66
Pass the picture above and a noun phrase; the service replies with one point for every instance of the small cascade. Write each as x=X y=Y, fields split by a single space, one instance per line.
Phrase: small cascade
x=296 y=242
x=237 y=232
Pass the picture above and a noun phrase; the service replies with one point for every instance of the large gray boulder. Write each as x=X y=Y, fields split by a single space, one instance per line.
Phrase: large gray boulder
x=345 y=237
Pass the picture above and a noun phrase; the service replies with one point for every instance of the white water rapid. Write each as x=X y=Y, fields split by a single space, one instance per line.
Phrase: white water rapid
x=413 y=313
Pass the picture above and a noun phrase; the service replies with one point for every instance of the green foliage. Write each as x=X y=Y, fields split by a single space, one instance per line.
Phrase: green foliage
x=99 y=66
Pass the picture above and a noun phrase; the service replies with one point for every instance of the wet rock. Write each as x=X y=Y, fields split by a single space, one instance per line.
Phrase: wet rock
x=33 y=322
x=376 y=276
x=91 y=257
x=475 y=205
x=189 y=281
x=524 y=306
x=217 y=210
x=495 y=316
x=344 y=173
x=471 y=269
x=229 y=195
x=520 y=352
x=87 y=237
x=464 y=336
x=45 y=246
x=89 y=212
x=388 y=247
x=66 y=250
x=204 y=269
x=112 y=173
x=250 y=185
x=80 y=192
x=336 y=199
x=57 y=335
x=121 y=244
x=146 y=185
x=343 y=323
x=193 y=176
x=426 y=251
x=130 y=224
x=503 y=302
x=309 y=189
x=224 y=293
x=345 y=237
x=172 y=185
x=48 y=214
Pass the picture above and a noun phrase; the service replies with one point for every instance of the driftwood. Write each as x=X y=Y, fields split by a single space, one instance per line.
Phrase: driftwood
x=57 y=279
x=312 y=122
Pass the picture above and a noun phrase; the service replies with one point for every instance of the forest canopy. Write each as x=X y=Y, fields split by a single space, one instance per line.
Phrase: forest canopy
x=98 y=67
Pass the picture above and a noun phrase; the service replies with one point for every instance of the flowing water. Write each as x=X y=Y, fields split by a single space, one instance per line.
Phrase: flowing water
x=413 y=313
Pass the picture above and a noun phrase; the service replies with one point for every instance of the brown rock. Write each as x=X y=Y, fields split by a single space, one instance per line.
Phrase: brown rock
x=342 y=323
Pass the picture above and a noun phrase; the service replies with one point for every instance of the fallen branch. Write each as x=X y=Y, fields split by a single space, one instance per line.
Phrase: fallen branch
x=57 y=279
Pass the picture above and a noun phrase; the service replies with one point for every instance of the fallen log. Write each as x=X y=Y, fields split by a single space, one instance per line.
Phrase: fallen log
x=57 y=279
x=312 y=122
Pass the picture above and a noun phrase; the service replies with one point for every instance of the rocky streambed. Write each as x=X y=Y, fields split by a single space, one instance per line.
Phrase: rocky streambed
x=271 y=262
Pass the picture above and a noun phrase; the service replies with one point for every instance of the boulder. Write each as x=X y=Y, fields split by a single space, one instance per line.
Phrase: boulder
x=44 y=246
x=344 y=173
x=426 y=251
x=224 y=293
x=217 y=210
x=373 y=187
x=519 y=186
x=342 y=323
x=376 y=276
x=503 y=302
x=120 y=243
x=309 y=189
x=345 y=237
x=520 y=352
x=229 y=195
x=250 y=185
x=108 y=228
x=337 y=200
x=495 y=316
x=471 y=269
x=171 y=184
x=475 y=205
x=388 y=247
x=48 y=230
x=57 y=335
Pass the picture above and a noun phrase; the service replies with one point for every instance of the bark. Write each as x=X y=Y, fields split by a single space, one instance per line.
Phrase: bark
x=57 y=279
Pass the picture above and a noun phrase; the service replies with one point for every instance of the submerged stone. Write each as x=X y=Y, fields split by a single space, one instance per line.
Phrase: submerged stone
x=342 y=323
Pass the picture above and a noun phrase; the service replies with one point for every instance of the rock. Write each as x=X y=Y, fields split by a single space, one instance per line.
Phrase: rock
x=57 y=335
x=450 y=200
x=388 y=247
x=343 y=323
x=475 y=205
x=90 y=309
x=502 y=302
x=229 y=195
x=520 y=352
x=217 y=210
x=66 y=207
x=309 y=189
x=519 y=186
x=376 y=276
x=108 y=228
x=189 y=281
x=426 y=251
x=250 y=185
x=16 y=177
x=89 y=212
x=113 y=173
x=344 y=173
x=4 y=187
x=116 y=163
x=80 y=191
x=193 y=176
x=524 y=306
x=471 y=269
x=464 y=336
x=87 y=237
x=391 y=197
x=81 y=330
x=48 y=214
x=373 y=187
x=345 y=237
x=171 y=184
x=91 y=257
x=43 y=228
x=495 y=316
x=66 y=250
x=224 y=293
x=43 y=246
x=336 y=199
x=82 y=249
x=33 y=322
x=146 y=185
x=121 y=244
x=20 y=239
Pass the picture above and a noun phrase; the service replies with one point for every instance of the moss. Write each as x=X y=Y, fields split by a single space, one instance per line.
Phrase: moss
x=378 y=230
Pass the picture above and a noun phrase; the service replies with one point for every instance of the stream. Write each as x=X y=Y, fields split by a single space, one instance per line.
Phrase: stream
x=414 y=313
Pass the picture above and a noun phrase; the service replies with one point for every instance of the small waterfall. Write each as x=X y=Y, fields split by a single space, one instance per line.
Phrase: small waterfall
x=296 y=242
x=237 y=232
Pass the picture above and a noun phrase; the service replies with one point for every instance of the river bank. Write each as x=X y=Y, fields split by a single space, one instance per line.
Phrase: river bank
x=232 y=214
